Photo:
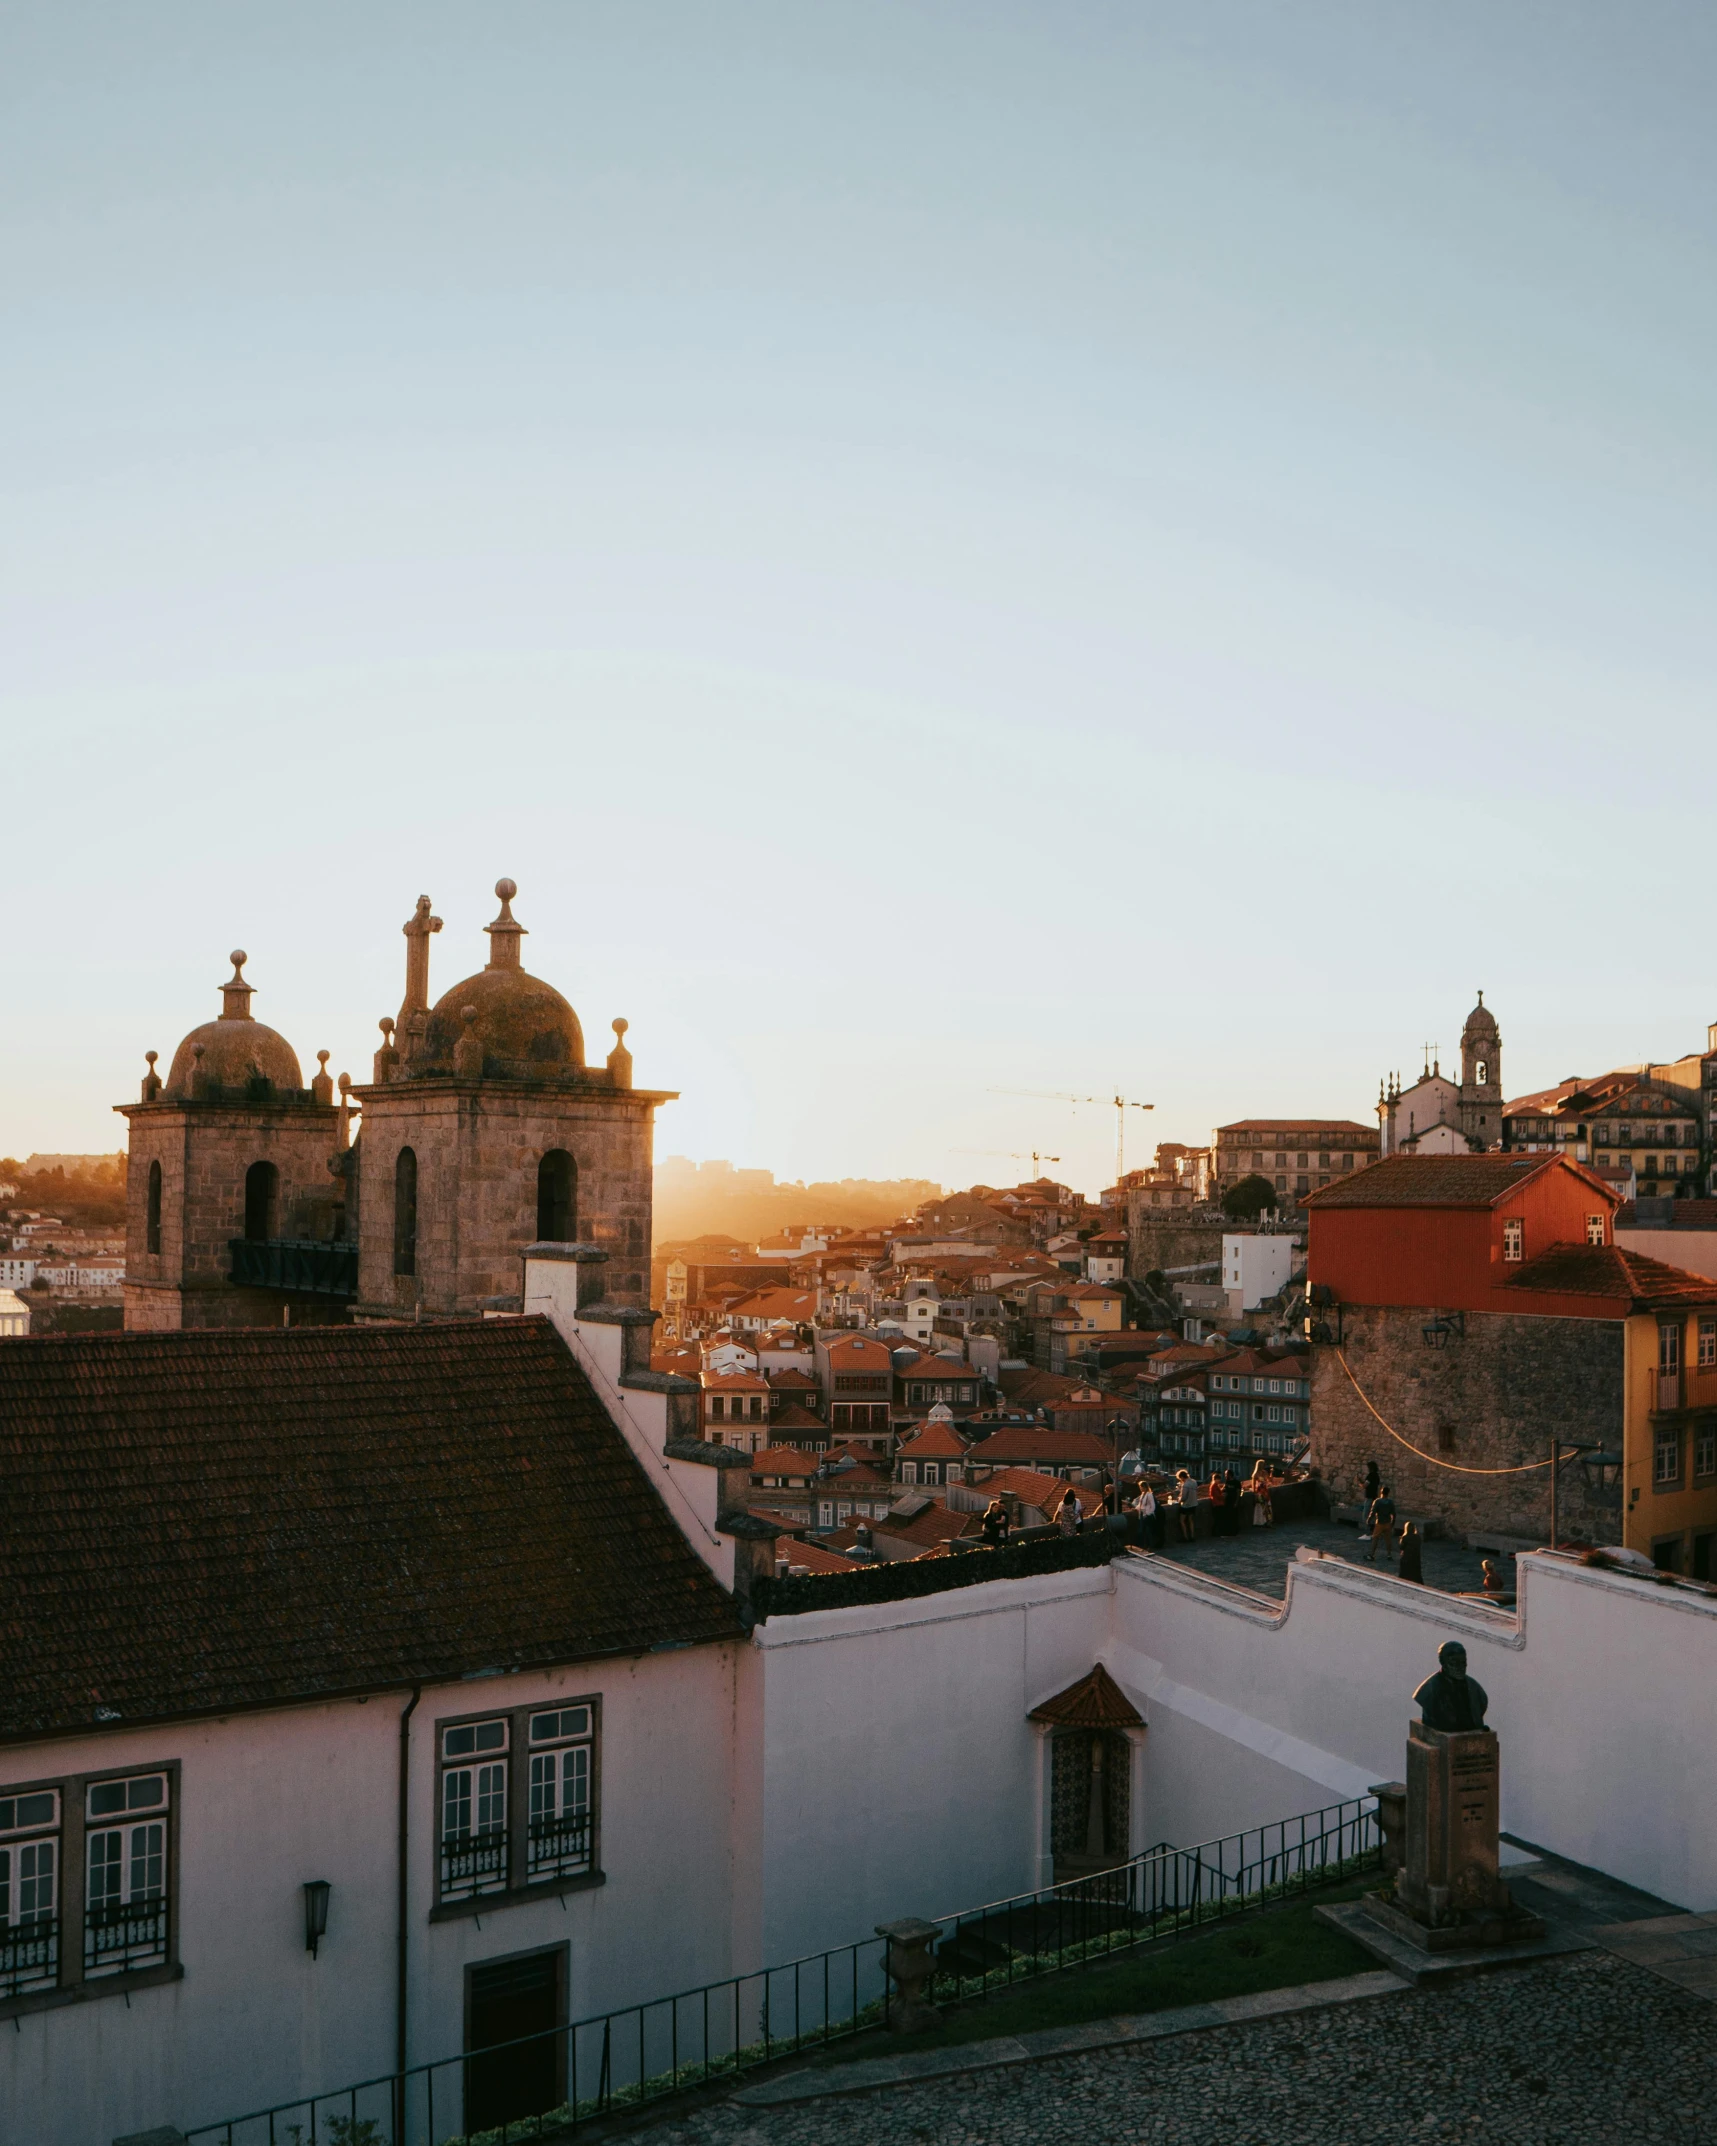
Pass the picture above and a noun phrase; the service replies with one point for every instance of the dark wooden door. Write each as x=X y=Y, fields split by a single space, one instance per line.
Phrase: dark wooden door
x=508 y=2000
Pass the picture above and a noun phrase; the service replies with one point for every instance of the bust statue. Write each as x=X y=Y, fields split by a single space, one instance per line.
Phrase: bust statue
x=1451 y=1701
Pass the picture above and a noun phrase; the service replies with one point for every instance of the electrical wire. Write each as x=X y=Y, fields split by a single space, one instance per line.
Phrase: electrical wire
x=1454 y=1467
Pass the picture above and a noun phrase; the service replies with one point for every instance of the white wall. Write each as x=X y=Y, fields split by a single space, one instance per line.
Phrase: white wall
x=898 y=1762
x=1603 y=1693
x=900 y=1774
x=268 y=1800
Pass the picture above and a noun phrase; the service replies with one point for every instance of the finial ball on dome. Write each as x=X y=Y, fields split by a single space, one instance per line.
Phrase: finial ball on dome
x=620 y=1025
x=505 y=889
x=238 y=957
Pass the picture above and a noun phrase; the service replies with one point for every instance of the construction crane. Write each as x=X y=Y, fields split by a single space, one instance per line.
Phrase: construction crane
x=1122 y=1105
x=1012 y=1154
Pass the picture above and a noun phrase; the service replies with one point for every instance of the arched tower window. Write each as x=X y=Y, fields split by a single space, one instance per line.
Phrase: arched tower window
x=1479 y=1072
x=405 y=1212
x=261 y=1195
x=557 y=1198
x=152 y=1214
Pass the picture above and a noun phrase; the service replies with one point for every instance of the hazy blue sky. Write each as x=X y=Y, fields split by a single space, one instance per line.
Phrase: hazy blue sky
x=945 y=547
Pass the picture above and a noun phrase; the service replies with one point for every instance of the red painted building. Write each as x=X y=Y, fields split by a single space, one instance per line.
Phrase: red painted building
x=1455 y=1232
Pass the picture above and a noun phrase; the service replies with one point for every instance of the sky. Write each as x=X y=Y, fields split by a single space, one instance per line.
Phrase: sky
x=948 y=549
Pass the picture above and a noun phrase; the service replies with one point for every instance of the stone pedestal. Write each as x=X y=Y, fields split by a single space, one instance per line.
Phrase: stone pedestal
x=1448 y=1891
x=1391 y=1822
x=911 y=1963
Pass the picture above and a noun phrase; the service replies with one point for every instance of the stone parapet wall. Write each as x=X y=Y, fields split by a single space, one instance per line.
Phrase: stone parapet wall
x=1492 y=1398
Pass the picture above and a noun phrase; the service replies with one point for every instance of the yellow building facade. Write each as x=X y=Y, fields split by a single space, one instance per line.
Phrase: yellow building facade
x=1669 y=1448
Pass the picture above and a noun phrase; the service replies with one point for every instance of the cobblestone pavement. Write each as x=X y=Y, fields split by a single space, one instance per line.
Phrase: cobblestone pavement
x=1260 y=1557
x=1588 y=2051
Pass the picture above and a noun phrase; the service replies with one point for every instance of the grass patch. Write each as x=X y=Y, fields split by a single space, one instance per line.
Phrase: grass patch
x=1275 y=1950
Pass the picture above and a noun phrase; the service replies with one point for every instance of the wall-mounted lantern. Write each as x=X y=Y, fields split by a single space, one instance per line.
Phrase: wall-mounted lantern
x=1442 y=1325
x=316 y=1891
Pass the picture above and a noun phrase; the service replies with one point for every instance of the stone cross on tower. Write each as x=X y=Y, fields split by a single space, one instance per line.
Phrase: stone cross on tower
x=414 y=1007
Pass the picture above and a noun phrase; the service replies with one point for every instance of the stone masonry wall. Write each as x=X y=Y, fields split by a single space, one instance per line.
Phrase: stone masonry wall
x=478 y=1148
x=204 y=1151
x=1156 y=1239
x=1492 y=1399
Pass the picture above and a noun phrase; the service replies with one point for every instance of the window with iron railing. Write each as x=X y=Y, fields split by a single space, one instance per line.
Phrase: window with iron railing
x=540 y=1762
x=125 y=1893
x=562 y=1786
x=29 y=1891
x=474 y=1837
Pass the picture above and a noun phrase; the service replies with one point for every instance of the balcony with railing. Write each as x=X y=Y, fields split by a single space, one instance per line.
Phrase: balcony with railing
x=29 y=1956
x=475 y=1863
x=123 y=1934
x=301 y=1265
x=559 y=1848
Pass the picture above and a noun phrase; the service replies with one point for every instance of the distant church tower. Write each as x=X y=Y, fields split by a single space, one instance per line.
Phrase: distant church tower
x=484 y=1131
x=1481 y=1078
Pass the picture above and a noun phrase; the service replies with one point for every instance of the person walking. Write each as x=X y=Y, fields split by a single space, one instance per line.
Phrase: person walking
x=1380 y=1522
x=1145 y=1518
x=1186 y=1504
x=1408 y=1564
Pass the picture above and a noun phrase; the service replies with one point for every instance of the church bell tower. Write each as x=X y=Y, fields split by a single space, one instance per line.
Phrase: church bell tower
x=1481 y=1078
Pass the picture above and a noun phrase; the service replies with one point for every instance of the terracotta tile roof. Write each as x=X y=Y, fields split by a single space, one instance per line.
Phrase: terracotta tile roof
x=1626 y=1279
x=1038 y=1388
x=1436 y=1181
x=733 y=1378
x=795 y=1418
x=783 y=1460
x=859 y=1352
x=1095 y=1702
x=862 y=1482
x=1025 y=1445
x=933 y=1441
x=198 y=1521
x=1044 y=1491
x=935 y=1524
x=813 y=1557
x=790 y=1379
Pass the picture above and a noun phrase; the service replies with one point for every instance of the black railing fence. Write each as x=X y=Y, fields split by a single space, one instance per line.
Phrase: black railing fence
x=1166 y=1892
x=303 y=1264
x=29 y=1956
x=545 y=2085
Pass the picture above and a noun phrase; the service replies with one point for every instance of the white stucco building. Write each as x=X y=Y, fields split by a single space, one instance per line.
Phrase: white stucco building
x=1255 y=1265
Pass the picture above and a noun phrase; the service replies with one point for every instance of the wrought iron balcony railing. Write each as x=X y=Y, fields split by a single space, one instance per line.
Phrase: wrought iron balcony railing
x=29 y=1956
x=300 y=1264
x=473 y=1863
x=559 y=1847
x=120 y=1934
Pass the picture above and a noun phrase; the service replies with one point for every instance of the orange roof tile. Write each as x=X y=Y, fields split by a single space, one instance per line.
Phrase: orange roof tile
x=1095 y=1702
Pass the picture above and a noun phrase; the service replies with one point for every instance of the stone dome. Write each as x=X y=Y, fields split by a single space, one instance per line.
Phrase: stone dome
x=526 y=1029
x=1480 y=1022
x=236 y=1051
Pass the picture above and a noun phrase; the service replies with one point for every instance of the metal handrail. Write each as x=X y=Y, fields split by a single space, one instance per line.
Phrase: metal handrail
x=614 y=2061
